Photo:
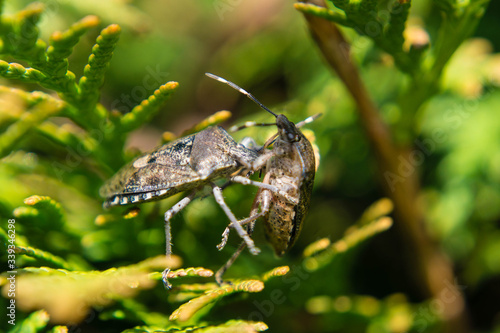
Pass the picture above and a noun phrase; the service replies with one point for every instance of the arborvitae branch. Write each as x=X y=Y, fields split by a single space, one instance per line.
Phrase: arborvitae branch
x=94 y=71
x=55 y=287
x=45 y=257
x=50 y=209
x=187 y=310
x=62 y=43
x=212 y=120
x=20 y=34
x=322 y=252
x=148 y=107
x=35 y=322
x=41 y=109
x=275 y=272
x=323 y=12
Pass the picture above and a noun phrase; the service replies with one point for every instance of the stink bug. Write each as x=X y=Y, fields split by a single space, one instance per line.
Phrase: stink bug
x=187 y=164
x=291 y=168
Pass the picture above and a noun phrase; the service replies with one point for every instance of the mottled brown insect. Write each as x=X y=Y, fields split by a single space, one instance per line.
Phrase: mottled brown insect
x=291 y=168
x=187 y=164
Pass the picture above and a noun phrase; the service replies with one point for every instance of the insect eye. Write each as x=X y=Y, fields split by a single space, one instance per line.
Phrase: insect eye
x=291 y=137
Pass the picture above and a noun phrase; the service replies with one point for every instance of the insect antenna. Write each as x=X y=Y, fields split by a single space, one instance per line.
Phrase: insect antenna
x=247 y=124
x=241 y=90
x=308 y=120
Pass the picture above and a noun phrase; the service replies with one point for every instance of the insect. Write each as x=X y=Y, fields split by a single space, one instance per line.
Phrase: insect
x=290 y=167
x=187 y=164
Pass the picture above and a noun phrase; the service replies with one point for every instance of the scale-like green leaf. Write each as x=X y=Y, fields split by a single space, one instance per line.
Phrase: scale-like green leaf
x=212 y=120
x=187 y=310
x=323 y=12
x=60 y=292
x=28 y=120
x=321 y=253
x=61 y=44
x=275 y=272
x=44 y=256
x=148 y=107
x=20 y=34
x=35 y=322
x=94 y=71
x=231 y=326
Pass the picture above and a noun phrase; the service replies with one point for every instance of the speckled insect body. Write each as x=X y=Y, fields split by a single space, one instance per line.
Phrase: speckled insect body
x=290 y=167
x=183 y=164
x=189 y=163
x=198 y=160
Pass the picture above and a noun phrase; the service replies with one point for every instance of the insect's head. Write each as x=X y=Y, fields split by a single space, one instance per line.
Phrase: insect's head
x=287 y=130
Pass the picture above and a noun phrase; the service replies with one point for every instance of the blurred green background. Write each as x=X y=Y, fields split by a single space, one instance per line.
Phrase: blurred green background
x=265 y=47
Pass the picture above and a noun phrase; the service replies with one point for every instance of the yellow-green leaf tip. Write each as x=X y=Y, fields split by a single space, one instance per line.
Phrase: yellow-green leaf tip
x=171 y=85
x=277 y=271
x=90 y=21
x=112 y=29
x=34 y=199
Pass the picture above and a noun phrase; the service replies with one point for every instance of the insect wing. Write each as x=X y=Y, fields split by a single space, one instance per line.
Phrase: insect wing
x=216 y=153
x=161 y=172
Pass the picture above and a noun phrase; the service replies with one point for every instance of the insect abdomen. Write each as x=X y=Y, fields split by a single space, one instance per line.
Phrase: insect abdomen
x=294 y=173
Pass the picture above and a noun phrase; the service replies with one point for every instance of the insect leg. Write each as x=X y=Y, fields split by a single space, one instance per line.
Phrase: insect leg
x=234 y=222
x=223 y=269
x=264 y=199
x=272 y=188
x=225 y=234
x=261 y=161
x=168 y=236
x=223 y=186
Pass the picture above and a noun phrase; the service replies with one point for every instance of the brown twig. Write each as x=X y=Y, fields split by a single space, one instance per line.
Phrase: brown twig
x=432 y=269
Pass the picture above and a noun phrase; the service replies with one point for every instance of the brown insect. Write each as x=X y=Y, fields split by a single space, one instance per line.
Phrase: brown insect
x=291 y=168
x=188 y=164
